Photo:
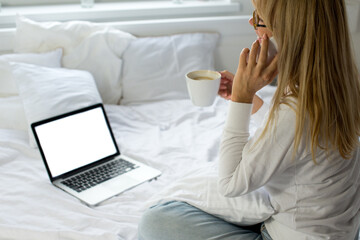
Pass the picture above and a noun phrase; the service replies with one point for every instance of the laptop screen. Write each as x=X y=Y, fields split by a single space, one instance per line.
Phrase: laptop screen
x=75 y=141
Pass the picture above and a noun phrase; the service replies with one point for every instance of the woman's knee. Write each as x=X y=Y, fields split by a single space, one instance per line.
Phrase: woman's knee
x=158 y=221
x=181 y=221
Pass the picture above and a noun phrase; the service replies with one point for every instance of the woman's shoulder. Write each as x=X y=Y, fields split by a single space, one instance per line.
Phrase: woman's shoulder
x=284 y=122
x=287 y=110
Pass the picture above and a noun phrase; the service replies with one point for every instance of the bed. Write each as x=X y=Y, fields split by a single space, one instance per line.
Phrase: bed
x=54 y=67
x=151 y=115
x=181 y=140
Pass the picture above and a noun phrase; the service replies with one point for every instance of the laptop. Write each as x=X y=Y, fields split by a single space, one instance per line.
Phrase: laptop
x=82 y=158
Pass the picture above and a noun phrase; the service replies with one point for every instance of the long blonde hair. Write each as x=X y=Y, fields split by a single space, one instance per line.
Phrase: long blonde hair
x=317 y=68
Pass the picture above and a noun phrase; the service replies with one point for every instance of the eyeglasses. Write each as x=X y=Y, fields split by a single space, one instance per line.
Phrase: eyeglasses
x=256 y=20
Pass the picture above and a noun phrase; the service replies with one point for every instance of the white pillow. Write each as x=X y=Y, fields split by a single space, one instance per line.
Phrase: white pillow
x=201 y=192
x=87 y=46
x=12 y=113
x=46 y=59
x=155 y=67
x=7 y=82
x=47 y=92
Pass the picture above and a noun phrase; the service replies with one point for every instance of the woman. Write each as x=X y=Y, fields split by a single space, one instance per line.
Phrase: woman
x=306 y=153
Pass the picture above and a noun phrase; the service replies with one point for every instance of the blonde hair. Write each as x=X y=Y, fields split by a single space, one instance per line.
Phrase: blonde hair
x=317 y=68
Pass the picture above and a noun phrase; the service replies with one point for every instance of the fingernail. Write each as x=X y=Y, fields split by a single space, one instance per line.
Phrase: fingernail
x=244 y=50
x=265 y=36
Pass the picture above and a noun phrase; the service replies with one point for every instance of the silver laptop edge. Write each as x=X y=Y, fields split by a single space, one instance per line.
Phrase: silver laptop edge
x=105 y=190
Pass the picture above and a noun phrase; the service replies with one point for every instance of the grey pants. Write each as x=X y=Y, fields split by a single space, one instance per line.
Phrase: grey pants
x=180 y=221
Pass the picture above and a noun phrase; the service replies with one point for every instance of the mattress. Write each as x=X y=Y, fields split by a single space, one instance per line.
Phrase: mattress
x=173 y=136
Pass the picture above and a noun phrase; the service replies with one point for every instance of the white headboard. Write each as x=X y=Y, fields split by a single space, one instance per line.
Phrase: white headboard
x=235 y=31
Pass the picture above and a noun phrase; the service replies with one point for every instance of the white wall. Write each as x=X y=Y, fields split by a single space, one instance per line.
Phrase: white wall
x=235 y=30
x=356 y=41
x=353 y=8
x=356 y=47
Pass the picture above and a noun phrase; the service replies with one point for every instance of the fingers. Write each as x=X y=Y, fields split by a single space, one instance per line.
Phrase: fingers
x=225 y=94
x=271 y=71
x=226 y=80
x=263 y=51
x=243 y=56
x=226 y=75
x=254 y=74
x=226 y=84
x=253 y=53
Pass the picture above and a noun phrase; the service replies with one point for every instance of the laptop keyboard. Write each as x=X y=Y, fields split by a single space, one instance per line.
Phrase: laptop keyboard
x=98 y=175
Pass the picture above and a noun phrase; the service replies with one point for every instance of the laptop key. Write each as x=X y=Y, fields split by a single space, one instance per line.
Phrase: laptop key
x=98 y=175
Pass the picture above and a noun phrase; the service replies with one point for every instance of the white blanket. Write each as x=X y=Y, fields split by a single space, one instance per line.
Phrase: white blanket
x=173 y=136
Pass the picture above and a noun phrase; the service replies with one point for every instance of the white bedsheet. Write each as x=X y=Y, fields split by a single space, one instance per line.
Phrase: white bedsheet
x=172 y=136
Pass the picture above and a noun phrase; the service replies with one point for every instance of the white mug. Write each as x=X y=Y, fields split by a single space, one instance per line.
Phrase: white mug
x=203 y=86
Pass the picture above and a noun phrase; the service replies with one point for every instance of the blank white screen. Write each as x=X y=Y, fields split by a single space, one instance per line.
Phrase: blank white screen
x=75 y=141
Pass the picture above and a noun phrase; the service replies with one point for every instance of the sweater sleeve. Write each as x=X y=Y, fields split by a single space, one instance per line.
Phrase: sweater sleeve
x=260 y=115
x=244 y=167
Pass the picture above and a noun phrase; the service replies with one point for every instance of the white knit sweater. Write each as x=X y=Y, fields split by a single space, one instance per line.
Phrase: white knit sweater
x=311 y=201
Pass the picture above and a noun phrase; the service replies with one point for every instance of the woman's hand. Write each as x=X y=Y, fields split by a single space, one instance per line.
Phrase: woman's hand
x=226 y=84
x=251 y=76
x=226 y=88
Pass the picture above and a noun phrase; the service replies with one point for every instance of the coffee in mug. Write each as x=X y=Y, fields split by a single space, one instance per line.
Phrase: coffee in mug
x=203 y=86
x=203 y=78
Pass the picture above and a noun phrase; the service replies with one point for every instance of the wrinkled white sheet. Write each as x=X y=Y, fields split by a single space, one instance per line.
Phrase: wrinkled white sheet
x=172 y=136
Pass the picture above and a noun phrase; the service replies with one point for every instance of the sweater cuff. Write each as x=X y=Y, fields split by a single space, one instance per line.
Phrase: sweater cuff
x=238 y=118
